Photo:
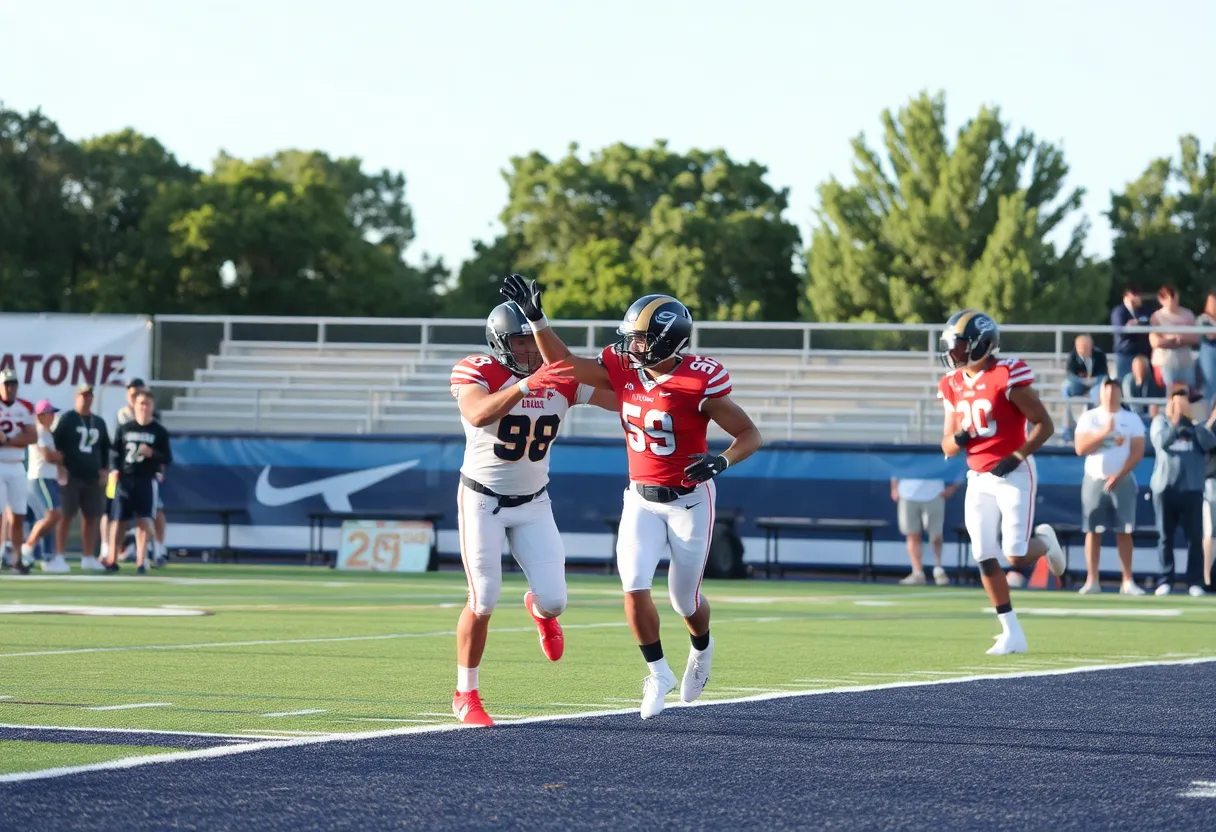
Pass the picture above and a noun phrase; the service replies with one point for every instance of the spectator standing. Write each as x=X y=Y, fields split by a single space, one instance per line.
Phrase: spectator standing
x=1130 y=320
x=1111 y=439
x=1209 y=514
x=46 y=475
x=1086 y=367
x=921 y=510
x=1207 y=349
x=1140 y=384
x=1178 y=486
x=1173 y=359
x=127 y=414
x=81 y=436
x=139 y=450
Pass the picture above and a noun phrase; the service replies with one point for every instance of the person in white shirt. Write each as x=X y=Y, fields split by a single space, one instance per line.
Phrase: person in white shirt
x=45 y=478
x=921 y=509
x=1111 y=439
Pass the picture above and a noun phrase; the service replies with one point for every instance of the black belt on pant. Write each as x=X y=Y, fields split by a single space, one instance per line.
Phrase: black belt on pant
x=504 y=501
x=663 y=493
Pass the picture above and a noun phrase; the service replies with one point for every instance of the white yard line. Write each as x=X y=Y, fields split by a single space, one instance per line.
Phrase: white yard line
x=304 y=712
x=128 y=707
x=232 y=750
x=88 y=729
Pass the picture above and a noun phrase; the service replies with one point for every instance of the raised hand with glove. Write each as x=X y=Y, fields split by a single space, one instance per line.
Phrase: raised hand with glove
x=525 y=294
x=548 y=377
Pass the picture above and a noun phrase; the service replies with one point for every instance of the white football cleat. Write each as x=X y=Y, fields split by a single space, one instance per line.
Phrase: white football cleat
x=1164 y=589
x=91 y=563
x=1197 y=592
x=654 y=689
x=940 y=576
x=1130 y=588
x=1090 y=589
x=914 y=579
x=1056 y=562
x=1007 y=643
x=696 y=674
x=56 y=564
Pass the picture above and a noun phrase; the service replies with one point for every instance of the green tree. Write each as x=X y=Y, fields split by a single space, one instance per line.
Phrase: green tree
x=698 y=225
x=475 y=291
x=40 y=221
x=932 y=228
x=1165 y=226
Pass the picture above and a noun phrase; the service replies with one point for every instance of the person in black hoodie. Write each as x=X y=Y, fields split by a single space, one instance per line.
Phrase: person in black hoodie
x=139 y=450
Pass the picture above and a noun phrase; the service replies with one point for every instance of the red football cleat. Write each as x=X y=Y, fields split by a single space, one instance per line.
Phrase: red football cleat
x=469 y=710
x=552 y=642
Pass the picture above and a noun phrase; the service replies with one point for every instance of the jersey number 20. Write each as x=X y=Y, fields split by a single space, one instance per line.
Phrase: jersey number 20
x=977 y=416
x=515 y=431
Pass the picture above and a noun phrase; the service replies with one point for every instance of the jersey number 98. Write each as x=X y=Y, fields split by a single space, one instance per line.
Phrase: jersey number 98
x=977 y=417
x=656 y=425
x=518 y=435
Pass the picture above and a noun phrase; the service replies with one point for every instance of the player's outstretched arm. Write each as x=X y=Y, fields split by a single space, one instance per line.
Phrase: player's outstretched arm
x=480 y=407
x=1026 y=399
x=526 y=294
x=726 y=414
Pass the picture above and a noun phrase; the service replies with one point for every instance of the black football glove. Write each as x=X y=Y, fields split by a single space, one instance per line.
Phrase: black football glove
x=1006 y=465
x=962 y=438
x=705 y=467
x=525 y=294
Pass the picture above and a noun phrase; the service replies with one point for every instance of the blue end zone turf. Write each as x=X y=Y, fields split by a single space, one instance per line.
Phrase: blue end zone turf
x=147 y=739
x=1101 y=750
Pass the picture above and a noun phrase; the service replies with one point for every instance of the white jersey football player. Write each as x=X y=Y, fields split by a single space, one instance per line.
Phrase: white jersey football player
x=512 y=406
x=16 y=432
x=989 y=401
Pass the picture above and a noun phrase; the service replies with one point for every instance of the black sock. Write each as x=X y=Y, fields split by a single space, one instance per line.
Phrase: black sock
x=1004 y=608
x=652 y=652
x=700 y=643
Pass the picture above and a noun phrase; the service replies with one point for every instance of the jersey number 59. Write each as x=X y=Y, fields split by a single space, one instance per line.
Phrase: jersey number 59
x=656 y=425
x=977 y=416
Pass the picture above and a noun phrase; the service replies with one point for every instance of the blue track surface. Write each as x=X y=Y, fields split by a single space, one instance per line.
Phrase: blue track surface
x=1105 y=750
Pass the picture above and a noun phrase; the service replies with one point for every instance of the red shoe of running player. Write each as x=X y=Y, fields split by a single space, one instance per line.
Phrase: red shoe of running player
x=552 y=642
x=469 y=710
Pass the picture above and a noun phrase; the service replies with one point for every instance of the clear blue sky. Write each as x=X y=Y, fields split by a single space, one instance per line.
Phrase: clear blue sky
x=448 y=91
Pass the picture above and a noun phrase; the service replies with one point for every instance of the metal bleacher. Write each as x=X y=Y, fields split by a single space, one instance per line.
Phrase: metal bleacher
x=324 y=384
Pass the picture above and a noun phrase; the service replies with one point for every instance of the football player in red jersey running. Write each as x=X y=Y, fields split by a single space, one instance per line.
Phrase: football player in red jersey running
x=666 y=401
x=989 y=402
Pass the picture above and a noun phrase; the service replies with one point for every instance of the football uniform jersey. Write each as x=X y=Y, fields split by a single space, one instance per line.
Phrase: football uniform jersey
x=511 y=456
x=13 y=419
x=983 y=403
x=662 y=417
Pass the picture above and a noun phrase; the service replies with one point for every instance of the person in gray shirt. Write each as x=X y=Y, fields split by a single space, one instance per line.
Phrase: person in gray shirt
x=1177 y=484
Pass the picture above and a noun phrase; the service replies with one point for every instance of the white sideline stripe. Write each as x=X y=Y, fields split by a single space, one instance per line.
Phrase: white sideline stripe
x=337 y=639
x=836 y=681
x=128 y=707
x=135 y=731
x=231 y=750
x=299 y=713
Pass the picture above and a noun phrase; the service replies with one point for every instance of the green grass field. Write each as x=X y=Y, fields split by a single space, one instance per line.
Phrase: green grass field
x=294 y=652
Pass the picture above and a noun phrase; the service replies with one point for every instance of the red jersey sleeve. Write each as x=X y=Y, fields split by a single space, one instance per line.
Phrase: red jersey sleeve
x=481 y=370
x=1020 y=375
x=618 y=376
x=717 y=383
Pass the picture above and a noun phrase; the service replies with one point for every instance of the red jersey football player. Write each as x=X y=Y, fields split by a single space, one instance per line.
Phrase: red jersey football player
x=989 y=402
x=666 y=401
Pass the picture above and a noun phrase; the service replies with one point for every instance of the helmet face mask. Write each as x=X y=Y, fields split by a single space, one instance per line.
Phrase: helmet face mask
x=510 y=338
x=969 y=338
x=656 y=328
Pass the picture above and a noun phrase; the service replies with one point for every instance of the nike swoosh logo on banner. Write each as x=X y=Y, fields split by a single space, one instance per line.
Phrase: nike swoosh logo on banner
x=335 y=490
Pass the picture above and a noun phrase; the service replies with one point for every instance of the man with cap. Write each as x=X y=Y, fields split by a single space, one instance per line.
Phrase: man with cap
x=45 y=477
x=16 y=432
x=81 y=436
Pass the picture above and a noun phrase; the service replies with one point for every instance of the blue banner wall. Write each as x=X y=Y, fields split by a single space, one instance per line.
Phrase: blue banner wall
x=278 y=479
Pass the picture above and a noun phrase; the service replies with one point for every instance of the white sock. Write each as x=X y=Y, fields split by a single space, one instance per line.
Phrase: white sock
x=466 y=679
x=1009 y=622
x=660 y=668
x=105 y=550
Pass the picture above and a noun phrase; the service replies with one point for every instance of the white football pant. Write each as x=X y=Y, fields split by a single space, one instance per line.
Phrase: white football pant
x=999 y=511
x=648 y=530
x=535 y=543
x=14 y=488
